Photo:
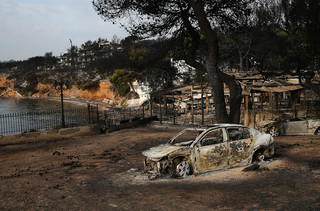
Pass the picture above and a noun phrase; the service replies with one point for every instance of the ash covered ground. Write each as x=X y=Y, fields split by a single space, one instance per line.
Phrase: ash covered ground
x=104 y=172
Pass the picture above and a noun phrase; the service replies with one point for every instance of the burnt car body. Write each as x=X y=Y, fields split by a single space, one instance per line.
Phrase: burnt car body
x=199 y=150
x=292 y=126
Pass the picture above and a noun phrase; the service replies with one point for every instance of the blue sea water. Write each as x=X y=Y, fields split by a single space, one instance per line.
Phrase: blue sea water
x=13 y=107
x=18 y=105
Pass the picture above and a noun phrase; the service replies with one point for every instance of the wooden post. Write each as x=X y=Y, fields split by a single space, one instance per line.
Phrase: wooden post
x=179 y=111
x=98 y=116
x=277 y=101
x=89 y=113
x=192 y=115
x=261 y=100
x=165 y=107
x=253 y=110
x=293 y=103
x=173 y=108
x=202 y=111
x=207 y=103
x=253 y=104
x=303 y=100
x=246 y=110
x=270 y=101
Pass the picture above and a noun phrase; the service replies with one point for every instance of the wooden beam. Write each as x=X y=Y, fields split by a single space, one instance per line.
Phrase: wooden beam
x=207 y=104
x=246 y=110
x=192 y=114
x=175 y=96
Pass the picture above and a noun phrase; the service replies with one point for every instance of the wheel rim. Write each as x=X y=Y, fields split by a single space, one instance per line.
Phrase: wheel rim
x=260 y=157
x=183 y=169
x=274 y=131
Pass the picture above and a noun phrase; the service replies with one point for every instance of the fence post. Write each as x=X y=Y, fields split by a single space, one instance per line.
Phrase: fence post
x=114 y=118
x=105 y=117
x=62 y=107
x=89 y=114
x=98 y=119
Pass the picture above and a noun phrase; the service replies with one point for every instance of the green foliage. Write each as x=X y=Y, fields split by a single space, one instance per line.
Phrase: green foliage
x=137 y=55
x=121 y=80
x=87 y=85
x=30 y=82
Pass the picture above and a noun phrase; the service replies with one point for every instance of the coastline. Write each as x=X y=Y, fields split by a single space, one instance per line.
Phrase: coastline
x=76 y=101
x=81 y=102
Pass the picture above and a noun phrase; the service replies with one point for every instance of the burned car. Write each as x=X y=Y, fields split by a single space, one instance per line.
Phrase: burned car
x=292 y=126
x=199 y=150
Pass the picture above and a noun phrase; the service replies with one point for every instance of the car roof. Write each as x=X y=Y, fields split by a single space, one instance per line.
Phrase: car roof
x=222 y=125
x=225 y=125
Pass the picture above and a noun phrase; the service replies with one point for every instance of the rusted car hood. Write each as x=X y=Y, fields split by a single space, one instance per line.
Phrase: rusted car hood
x=160 y=151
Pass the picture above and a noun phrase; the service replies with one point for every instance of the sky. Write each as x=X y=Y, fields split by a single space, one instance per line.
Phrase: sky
x=31 y=28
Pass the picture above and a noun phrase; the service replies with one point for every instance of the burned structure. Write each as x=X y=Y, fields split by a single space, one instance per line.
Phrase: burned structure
x=263 y=99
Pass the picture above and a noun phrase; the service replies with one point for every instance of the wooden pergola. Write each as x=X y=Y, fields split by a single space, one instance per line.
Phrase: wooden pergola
x=272 y=90
x=250 y=87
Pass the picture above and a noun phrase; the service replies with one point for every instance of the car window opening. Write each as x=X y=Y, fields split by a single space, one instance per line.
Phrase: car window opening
x=213 y=137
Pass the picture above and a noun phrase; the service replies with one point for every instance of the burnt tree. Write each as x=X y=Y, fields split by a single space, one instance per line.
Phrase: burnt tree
x=150 y=18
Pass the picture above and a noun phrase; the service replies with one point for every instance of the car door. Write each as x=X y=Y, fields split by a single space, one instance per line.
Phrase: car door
x=211 y=151
x=296 y=126
x=240 y=146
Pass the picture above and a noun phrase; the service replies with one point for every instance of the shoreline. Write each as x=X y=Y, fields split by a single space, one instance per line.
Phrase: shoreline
x=76 y=101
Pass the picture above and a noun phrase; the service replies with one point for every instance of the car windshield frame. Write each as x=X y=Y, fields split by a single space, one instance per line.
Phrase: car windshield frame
x=172 y=140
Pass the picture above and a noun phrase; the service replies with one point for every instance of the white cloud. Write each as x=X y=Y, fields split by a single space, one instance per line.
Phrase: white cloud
x=33 y=27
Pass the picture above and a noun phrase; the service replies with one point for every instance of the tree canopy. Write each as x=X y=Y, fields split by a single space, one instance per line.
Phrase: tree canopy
x=196 y=18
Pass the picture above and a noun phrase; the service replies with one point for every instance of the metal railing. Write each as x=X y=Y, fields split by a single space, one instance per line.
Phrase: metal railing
x=16 y=123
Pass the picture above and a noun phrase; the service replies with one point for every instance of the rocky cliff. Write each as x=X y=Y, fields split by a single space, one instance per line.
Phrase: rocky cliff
x=101 y=93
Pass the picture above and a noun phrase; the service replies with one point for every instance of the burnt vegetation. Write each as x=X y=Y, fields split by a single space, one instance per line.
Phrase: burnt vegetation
x=273 y=38
x=269 y=37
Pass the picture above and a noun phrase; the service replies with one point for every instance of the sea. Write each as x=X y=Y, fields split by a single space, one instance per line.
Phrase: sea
x=25 y=105
x=18 y=105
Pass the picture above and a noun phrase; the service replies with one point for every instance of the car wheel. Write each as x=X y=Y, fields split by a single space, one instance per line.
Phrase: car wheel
x=274 y=131
x=183 y=169
x=258 y=156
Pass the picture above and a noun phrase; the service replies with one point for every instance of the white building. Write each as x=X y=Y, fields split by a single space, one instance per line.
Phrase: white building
x=143 y=90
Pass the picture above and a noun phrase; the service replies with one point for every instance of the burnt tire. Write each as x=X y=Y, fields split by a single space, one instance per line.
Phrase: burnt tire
x=182 y=169
x=258 y=156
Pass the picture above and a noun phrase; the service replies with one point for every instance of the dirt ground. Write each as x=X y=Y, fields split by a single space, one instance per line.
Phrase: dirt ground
x=104 y=173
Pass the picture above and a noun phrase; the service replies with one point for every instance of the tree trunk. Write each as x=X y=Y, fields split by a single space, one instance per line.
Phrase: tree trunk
x=213 y=53
x=240 y=62
x=235 y=96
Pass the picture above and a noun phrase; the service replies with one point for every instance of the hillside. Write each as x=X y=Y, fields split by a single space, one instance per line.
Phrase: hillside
x=101 y=92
